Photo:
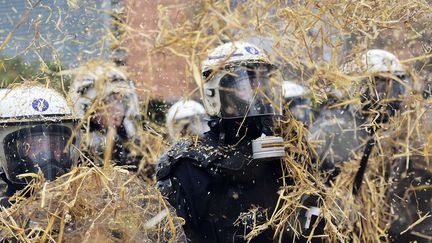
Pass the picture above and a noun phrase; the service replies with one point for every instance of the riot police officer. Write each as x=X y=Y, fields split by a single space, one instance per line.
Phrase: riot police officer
x=103 y=95
x=338 y=133
x=36 y=135
x=39 y=135
x=227 y=181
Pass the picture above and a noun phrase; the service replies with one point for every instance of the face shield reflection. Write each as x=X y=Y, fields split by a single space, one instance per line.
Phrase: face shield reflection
x=38 y=148
x=385 y=93
x=250 y=91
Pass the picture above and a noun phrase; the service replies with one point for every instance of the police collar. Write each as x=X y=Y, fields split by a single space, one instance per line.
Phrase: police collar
x=234 y=131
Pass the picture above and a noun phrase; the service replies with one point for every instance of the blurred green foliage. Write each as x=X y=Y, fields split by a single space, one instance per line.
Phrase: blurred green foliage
x=16 y=70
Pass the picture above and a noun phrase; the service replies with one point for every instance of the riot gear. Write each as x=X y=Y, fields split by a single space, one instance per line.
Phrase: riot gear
x=36 y=134
x=242 y=83
x=381 y=81
x=40 y=147
x=247 y=91
x=217 y=182
x=103 y=92
x=240 y=72
x=346 y=132
x=104 y=82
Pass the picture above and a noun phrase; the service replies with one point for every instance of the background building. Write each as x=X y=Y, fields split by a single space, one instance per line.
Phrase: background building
x=70 y=32
x=163 y=74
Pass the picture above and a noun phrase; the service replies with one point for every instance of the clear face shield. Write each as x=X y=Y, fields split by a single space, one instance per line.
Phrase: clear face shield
x=385 y=92
x=41 y=147
x=252 y=90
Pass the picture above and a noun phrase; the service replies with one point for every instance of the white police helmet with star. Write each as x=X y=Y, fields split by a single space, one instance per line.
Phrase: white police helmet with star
x=233 y=52
x=37 y=132
x=100 y=79
x=25 y=102
x=374 y=61
x=240 y=80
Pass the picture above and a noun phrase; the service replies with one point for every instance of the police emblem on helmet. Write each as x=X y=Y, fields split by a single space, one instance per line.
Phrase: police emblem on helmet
x=40 y=104
x=252 y=50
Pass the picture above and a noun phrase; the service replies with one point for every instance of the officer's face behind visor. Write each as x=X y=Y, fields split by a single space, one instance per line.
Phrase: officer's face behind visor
x=387 y=89
x=41 y=147
x=251 y=90
x=385 y=94
x=111 y=112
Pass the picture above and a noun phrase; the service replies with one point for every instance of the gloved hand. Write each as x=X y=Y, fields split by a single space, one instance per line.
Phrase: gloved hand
x=311 y=216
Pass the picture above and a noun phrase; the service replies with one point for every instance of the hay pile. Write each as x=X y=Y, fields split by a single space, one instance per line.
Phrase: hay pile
x=396 y=191
x=92 y=205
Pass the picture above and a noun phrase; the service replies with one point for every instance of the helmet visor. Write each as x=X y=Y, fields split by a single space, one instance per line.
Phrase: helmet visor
x=389 y=88
x=40 y=147
x=251 y=90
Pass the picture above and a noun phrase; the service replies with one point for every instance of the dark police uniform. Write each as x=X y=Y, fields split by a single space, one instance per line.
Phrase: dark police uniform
x=219 y=189
x=10 y=190
x=211 y=185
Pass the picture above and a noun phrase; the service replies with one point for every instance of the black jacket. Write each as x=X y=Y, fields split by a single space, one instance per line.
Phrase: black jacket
x=11 y=189
x=212 y=184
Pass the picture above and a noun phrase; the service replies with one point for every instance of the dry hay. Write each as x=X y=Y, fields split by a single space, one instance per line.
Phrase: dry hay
x=309 y=40
x=108 y=204
x=396 y=187
x=92 y=205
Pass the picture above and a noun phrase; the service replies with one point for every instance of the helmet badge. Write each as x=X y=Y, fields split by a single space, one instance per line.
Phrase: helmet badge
x=40 y=104
x=252 y=50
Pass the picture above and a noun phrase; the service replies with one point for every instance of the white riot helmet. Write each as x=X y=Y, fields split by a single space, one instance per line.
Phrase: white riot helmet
x=100 y=81
x=380 y=65
x=385 y=83
x=36 y=124
x=240 y=81
x=186 y=117
x=375 y=61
